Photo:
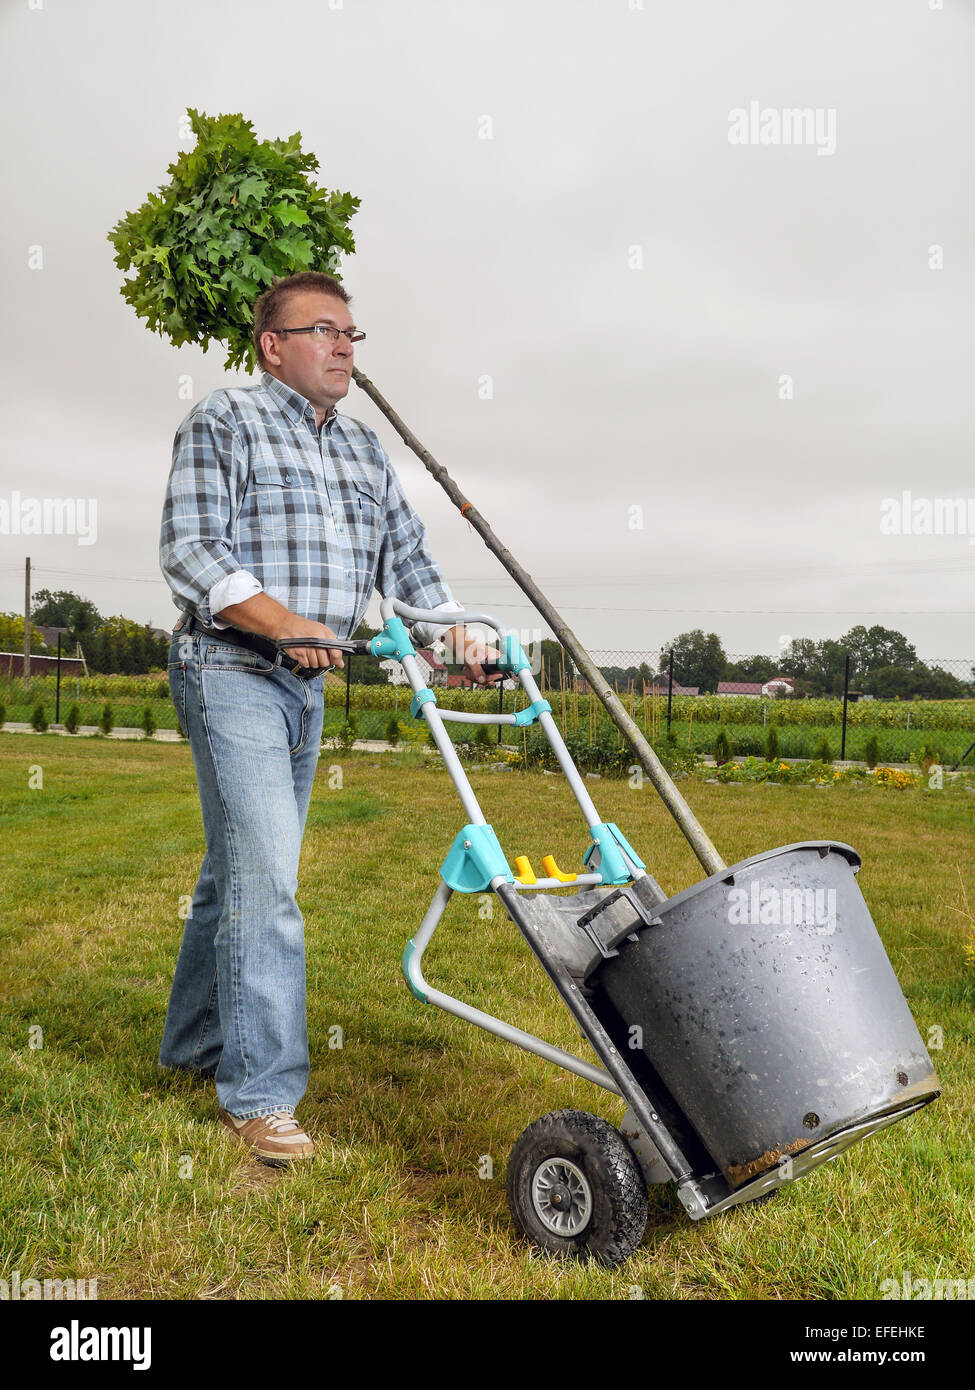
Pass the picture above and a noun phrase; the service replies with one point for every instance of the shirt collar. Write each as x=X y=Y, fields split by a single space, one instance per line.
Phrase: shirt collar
x=292 y=402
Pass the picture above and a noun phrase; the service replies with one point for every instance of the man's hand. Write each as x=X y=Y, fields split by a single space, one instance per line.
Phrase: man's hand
x=474 y=655
x=268 y=618
x=312 y=658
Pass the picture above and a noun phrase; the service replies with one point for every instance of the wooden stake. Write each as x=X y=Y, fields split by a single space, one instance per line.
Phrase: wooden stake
x=665 y=785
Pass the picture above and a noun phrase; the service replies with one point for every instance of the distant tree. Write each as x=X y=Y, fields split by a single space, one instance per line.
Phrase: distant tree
x=921 y=681
x=938 y=684
x=121 y=646
x=63 y=608
x=554 y=659
x=825 y=673
x=699 y=659
x=889 y=683
x=12 y=634
x=871 y=648
x=751 y=668
x=798 y=656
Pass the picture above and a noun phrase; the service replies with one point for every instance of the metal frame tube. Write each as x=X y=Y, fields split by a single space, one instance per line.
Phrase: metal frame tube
x=527 y=682
x=526 y=1041
x=435 y=717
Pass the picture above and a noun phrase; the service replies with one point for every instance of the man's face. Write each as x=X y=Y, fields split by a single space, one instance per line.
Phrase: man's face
x=311 y=363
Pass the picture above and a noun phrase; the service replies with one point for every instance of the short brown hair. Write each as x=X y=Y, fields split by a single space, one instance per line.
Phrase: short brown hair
x=269 y=306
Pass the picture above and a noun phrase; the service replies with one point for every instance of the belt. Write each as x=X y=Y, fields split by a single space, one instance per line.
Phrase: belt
x=270 y=650
x=236 y=638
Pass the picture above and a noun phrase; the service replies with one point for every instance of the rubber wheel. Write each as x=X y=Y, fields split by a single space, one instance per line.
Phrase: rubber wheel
x=575 y=1189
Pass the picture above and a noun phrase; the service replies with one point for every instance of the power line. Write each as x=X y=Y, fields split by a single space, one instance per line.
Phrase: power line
x=91 y=574
x=765 y=612
x=953 y=566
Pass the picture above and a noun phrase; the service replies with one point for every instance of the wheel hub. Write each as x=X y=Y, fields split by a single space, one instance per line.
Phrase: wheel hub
x=561 y=1196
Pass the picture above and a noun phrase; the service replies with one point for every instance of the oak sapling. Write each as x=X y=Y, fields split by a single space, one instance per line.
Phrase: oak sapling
x=237 y=214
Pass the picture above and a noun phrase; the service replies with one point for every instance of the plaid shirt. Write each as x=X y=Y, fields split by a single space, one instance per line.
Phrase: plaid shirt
x=319 y=519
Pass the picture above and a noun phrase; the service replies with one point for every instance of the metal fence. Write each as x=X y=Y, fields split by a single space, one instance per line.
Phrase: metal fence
x=765 y=705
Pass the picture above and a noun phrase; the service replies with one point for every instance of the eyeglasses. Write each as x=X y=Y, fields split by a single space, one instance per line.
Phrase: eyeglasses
x=325 y=330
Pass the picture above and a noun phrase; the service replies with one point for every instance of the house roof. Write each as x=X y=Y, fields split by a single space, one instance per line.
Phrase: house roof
x=433 y=661
x=660 y=682
x=739 y=687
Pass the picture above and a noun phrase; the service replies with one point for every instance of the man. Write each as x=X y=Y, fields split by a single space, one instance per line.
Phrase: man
x=281 y=517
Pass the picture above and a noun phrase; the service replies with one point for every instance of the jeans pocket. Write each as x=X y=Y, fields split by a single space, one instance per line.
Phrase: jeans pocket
x=222 y=656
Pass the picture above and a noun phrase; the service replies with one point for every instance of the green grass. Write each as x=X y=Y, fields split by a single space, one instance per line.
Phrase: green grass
x=116 y=1172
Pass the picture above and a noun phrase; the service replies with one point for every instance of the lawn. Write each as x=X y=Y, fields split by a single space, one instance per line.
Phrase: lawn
x=116 y=1172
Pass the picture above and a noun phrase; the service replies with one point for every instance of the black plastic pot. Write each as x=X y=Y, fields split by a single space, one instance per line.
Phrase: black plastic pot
x=768 y=1008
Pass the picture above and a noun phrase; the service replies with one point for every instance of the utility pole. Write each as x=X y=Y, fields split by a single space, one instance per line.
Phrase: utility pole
x=27 y=622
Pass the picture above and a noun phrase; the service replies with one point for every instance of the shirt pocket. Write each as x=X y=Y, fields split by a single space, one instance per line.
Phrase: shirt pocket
x=287 y=502
x=363 y=505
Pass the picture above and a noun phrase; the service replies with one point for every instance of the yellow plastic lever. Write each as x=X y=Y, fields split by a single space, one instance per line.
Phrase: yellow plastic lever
x=553 y=870
x=525 y=874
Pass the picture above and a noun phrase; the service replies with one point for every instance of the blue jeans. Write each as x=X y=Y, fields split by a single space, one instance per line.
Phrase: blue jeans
x=237 y=1007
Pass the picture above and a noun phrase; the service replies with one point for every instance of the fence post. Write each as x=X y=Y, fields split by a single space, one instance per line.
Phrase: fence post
x=846 y=698
x=57 y=701
x=348 y=683
x=670 y=688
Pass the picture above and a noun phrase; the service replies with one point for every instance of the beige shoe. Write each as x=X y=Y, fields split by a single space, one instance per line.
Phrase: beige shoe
x=275 y=1139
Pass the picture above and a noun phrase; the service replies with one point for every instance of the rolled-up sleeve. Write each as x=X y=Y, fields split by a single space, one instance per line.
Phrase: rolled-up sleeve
x=206 y=483
x=406 y=568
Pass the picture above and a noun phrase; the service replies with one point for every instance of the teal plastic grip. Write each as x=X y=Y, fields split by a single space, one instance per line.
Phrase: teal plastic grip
x=474 y=859
x=394 y=640
x=512 y=657
x=530 y=713
x=612 y=865
x=422 y=697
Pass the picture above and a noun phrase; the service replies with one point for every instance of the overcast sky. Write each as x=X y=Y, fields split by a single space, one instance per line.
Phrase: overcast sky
x=635 y=281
